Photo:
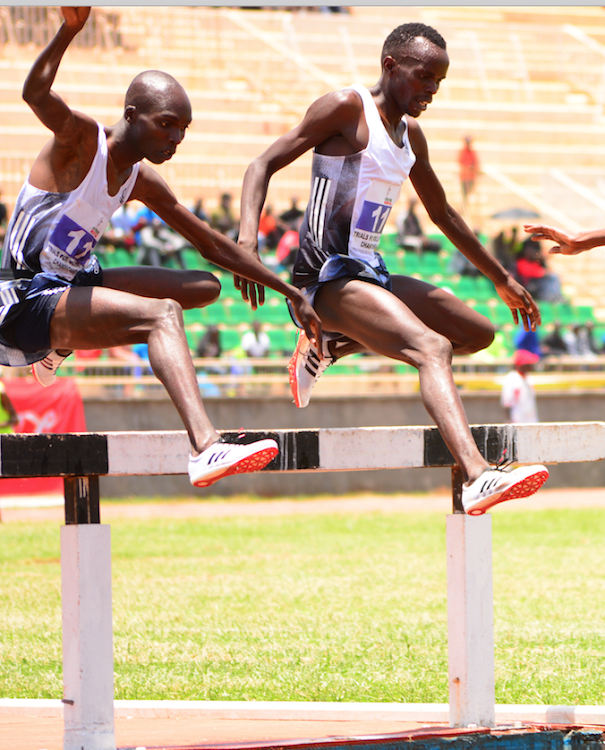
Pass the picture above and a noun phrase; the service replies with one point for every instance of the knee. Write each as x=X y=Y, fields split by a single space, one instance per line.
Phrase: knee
x=214 y=289
x=436 y=349
x=167 y=313
x=481 y=339
x=207 y=288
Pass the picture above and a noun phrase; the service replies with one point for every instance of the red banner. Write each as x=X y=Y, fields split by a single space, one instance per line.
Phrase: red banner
x=58 y=408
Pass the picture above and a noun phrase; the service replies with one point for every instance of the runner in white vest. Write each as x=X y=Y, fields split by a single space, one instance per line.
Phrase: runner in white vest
x=54 y=297
x=365 y=144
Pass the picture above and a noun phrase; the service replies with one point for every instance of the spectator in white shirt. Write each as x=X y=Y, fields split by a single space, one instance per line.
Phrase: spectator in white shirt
x=518 y=395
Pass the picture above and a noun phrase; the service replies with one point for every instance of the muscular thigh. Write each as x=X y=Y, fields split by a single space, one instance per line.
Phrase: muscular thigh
x=189 y=288
x=468 y=330
x=97 y=317
x=373 y=317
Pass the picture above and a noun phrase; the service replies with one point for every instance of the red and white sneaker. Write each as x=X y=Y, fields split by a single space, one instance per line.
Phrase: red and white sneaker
x=45 y=370
x=224 y=459
x=497 y=485
x=305 y=368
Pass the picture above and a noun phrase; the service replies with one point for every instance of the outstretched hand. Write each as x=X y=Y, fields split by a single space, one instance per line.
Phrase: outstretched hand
x=565 y=242
x=75 y=17
x=520 y=303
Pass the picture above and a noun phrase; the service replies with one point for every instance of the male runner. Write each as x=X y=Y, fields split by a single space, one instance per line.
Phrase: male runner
x=54 y=297
x=366 y=142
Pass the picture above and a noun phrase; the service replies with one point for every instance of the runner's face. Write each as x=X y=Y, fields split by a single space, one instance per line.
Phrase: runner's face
x=160 y=131
x=417 y=74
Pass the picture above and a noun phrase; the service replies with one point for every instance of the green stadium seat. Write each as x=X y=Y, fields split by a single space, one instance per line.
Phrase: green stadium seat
x=239 y=312
x=230 y=339
x=282 y=340
x=122 y=257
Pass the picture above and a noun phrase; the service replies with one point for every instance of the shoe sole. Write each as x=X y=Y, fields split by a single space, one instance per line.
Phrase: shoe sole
x=256 y=462
x=293 y=378
x=523 y=488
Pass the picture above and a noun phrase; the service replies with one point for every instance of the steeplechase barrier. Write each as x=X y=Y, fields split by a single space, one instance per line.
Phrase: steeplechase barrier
x=81 y=458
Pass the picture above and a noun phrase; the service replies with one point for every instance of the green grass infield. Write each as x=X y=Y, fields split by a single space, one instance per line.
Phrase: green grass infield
x=343 y=607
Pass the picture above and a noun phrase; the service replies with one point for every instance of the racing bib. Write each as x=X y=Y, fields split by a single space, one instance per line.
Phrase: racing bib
x=372 y=218
x=77 y=232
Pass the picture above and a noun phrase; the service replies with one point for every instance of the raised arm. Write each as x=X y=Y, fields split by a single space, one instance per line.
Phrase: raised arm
x=48 y=106
x=431 y=193
x=63 y=162
x=153 y=191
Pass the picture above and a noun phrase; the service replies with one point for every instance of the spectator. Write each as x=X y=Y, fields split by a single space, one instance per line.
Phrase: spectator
x=209 y=344
x=570 y=338
x=293 y=214
x=199 y=211
x=533 y=273
x=518 y=396
x=503 y=251
x=288 y=247
x=554 y=343
x=8 y=415
x=159 y=244
x=468 y=162
x=585 y=340
x=270 y=230
x=410 y=235
x=223 y=219
x=120 y=230
x=256 y=343
x=527 y=340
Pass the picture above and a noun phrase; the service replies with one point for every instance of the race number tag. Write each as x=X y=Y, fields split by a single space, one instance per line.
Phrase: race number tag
x=70 y=237
x=374 y=213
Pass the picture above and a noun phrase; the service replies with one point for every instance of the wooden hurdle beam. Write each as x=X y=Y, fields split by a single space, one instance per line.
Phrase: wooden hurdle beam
x=81 y=458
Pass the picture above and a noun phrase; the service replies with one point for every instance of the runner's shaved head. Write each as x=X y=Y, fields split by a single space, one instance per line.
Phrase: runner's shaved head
x=153 y=89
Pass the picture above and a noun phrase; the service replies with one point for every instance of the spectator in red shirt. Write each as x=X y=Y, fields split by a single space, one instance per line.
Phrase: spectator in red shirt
x=469 y=169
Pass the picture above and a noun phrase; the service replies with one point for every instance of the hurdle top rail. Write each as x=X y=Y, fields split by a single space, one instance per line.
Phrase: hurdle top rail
x=86 y=456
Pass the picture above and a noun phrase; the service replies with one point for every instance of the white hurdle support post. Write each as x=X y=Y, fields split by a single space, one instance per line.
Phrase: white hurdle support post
x=470 y=608
x=88 y=690
x=86 y=564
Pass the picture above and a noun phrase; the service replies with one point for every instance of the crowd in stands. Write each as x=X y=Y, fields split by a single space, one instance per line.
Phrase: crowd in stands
x=525 y=260
x=151 y=242
x=576 y=340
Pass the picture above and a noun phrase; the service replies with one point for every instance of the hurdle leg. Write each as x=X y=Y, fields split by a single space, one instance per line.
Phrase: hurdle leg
x=470 y=615
x=87 y=620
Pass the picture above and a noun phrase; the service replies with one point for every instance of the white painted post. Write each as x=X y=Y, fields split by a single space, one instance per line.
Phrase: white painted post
x=470 y=620
x=87 y=637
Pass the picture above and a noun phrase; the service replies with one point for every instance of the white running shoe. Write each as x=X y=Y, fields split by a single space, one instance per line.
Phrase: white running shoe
x=45 y=370
x=305 y=368
x=497 y=485
x=223 y=459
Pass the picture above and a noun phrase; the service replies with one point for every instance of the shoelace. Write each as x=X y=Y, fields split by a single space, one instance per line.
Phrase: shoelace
x=501 y=465
x=503 y=462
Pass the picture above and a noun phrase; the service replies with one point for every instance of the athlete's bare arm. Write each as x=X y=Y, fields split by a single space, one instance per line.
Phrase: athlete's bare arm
x=152 y=190
x=334 y=124
x=567 y=244
x=66 y=159
x=431 y=193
